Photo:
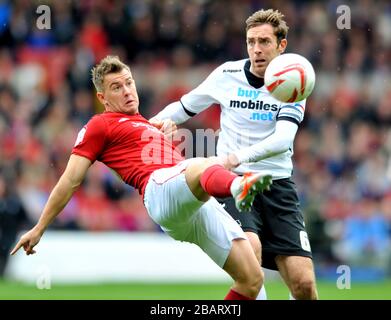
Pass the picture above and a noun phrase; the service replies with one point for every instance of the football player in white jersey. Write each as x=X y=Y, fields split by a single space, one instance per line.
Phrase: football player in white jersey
x=265 y=127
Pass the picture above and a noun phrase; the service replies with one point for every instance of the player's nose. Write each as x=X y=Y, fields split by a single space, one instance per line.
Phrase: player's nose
x=126 y=91
x=257 y=49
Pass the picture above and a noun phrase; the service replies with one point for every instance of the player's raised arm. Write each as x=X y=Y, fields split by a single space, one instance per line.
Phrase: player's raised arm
x=195 y=101
x=174 y=111
x=68 y=183
x=278 y=142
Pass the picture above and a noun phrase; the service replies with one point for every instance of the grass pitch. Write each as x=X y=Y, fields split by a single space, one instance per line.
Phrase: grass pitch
x=179 y=291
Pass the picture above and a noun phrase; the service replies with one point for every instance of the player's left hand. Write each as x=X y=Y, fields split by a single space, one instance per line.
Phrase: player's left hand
x=167 y=126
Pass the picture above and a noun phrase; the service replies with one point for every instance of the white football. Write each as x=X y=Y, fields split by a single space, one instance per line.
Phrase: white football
x=290 y=77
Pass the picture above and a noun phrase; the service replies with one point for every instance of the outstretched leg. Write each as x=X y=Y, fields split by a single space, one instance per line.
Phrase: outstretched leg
x=207 y=177
x=205 y=223
x=194 y=172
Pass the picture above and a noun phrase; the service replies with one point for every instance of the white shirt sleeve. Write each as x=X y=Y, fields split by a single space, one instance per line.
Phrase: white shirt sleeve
x=278 y=142
x=204 y=95
x=175 y=112
x=193 y=102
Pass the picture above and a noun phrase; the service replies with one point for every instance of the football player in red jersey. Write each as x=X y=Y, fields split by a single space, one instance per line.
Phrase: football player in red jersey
x=176 y=192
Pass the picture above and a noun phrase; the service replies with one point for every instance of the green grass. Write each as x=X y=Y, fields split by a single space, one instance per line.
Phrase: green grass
x=158 y=291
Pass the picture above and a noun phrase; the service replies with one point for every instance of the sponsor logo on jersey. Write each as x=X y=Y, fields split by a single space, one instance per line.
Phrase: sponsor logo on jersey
x=252 y=94
x=262 y=116
x=232 y=70
x=253 y=105
x=123 y=119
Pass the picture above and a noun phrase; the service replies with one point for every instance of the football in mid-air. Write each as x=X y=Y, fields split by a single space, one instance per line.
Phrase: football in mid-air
x=290 y=77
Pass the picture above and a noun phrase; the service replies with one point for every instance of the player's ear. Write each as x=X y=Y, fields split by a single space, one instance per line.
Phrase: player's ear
x=101 y=98
x=282 y=45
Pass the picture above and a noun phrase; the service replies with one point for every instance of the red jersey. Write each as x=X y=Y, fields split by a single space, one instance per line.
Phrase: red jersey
x=128 y=144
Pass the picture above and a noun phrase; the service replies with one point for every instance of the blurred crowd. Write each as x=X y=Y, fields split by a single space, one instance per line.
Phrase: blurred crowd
x=342 y=150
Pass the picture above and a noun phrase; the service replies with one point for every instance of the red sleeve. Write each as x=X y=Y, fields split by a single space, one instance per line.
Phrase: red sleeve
x=91 y=139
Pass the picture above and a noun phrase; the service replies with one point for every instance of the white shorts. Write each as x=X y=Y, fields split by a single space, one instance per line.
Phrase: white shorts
x=172 y=205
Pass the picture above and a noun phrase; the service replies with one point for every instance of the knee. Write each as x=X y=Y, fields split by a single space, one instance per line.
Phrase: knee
x=244 y=269
x=304 y=289
x=253 y=281
x=196 y=167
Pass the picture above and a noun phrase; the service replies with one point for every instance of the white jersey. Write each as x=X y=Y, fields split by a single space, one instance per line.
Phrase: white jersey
x=248 y=114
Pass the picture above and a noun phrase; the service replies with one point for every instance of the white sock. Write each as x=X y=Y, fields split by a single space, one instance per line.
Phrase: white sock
x=235 y=186
x=262 y=294
x=291 y=297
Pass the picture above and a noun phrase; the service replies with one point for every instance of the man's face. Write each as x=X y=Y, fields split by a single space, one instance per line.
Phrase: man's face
x=262 y=47
x=119 y=93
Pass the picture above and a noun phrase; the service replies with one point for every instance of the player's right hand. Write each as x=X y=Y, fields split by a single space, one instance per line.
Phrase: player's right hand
x=167 y=126
x=28 y=241
x=230 y=161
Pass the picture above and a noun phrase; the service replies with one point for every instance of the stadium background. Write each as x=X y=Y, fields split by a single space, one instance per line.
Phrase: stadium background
x=342 y=150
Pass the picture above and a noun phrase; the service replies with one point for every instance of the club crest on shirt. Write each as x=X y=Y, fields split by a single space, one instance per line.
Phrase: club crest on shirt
x=80 y=136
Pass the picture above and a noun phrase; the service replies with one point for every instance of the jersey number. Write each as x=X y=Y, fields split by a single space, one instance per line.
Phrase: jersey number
x=305 y=243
